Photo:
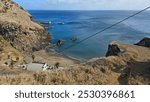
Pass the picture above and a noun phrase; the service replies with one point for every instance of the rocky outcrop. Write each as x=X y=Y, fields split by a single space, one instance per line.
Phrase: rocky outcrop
x=144 y=42
x=18 y=28
x=132 y=62
x=123 y=50
x=113 y=50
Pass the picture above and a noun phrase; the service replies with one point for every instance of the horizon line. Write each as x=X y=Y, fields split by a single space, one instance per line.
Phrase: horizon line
x=86 y=10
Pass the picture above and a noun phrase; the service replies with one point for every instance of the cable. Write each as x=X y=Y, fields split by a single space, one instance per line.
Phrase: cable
x=104 y=29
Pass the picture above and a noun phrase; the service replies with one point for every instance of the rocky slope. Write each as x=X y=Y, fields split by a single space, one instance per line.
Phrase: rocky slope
x=131 y=62
x=18 y=28
x=19 y=32
x=9 y=55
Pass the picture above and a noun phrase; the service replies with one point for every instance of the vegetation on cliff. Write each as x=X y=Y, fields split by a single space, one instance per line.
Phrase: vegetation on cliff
x=19 y=34
x=18 y=28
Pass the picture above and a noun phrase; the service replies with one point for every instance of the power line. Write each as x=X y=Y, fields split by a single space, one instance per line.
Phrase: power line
x=104 y=29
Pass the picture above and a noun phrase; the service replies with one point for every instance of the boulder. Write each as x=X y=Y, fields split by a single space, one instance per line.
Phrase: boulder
x=113 y=50
x=144 y=42
x=60 y=43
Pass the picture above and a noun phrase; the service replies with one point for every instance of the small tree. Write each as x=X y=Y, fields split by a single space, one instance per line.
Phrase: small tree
x=57 y=64
x=33 y=57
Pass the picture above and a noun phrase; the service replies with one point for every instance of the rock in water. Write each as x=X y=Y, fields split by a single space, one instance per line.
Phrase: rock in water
x=60 y=43
x=144 y=42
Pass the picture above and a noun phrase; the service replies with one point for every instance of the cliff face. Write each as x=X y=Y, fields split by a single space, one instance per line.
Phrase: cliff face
x=131 y=62
x=18 y=28
x=19 y=34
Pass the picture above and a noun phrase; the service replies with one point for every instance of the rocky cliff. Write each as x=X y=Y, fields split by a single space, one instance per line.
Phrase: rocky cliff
x=131 y=62
x=18 y=28
x=19 y=31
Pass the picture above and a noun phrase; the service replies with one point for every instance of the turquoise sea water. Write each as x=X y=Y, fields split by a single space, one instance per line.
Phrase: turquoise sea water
x=81 y=24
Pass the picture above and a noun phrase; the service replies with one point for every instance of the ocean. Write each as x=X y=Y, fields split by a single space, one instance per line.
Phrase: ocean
x=82 y=24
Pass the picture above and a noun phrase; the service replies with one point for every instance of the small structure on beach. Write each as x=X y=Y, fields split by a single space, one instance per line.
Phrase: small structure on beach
x=45 y=67
x=39 y=66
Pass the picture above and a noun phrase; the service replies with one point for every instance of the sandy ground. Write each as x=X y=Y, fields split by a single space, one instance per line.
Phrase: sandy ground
x=51 y=58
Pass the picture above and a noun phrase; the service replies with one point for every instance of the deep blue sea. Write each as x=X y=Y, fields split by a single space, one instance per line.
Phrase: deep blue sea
x=81 y=24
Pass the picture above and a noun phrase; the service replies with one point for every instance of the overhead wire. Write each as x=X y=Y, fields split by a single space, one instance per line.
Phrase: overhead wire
x=73 y=45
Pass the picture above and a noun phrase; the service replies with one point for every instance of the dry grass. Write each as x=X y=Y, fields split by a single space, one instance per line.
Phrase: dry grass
x=8 y=52
x=139 y=80
x=83 y=75
x=127 y=68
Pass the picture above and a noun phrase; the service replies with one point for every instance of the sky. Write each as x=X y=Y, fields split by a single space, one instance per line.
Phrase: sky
x=83 y=4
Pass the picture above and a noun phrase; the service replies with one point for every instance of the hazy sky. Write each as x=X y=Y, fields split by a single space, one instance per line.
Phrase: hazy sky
x=84 y=4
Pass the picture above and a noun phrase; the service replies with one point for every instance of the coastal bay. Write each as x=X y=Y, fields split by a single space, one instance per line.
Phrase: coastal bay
x=113 y=57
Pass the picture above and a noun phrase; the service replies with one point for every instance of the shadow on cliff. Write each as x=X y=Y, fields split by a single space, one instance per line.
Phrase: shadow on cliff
x=135 y=73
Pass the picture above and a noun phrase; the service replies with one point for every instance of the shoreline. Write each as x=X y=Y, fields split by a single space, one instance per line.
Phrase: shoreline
x=66 y=56
x=51 y=58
